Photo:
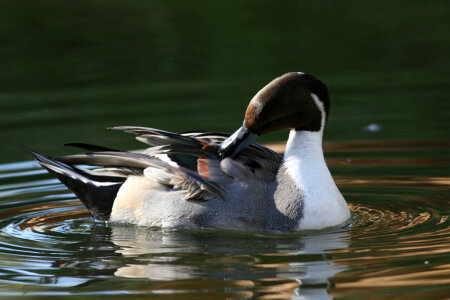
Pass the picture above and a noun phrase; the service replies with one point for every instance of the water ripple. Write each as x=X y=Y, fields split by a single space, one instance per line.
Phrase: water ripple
x=398 y=238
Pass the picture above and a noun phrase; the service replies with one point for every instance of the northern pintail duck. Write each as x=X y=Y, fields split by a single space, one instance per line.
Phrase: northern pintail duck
x=209 y=179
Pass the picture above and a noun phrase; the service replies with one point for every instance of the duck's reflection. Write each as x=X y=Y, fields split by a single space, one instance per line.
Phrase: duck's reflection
x=270 y=265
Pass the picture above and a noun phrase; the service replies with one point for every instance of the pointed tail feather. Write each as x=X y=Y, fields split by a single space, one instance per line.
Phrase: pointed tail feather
x=95 y=191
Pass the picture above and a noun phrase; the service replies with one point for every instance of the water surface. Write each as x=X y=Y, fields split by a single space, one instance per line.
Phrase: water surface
x=397 y=242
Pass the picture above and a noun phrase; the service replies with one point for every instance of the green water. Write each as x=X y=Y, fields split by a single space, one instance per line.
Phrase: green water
x=70 y=69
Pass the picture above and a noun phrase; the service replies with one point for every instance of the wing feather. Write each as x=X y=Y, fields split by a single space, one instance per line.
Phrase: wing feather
x=162 y=162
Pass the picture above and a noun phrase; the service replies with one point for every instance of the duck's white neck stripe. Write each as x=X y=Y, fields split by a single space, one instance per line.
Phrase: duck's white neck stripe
x=321 y=107
x=302 y=142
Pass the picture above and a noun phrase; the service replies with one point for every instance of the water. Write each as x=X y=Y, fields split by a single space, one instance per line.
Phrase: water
x=397 y=242
x=68 y=70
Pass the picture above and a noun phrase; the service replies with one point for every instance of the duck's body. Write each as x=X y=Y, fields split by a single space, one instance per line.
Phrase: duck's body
x=170 y=209
x=196 y=179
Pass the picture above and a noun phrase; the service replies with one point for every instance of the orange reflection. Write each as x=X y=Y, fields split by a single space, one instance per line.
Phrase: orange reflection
x=30 y=208
x=396 y=277
x=383 y=254
x=442 y=219
x=275 y=288
x=441 y=183
x=200 y=289
x=367 y=282
x=53 y=218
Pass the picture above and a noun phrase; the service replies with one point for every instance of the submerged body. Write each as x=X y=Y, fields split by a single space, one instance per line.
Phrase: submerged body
x=231 y=184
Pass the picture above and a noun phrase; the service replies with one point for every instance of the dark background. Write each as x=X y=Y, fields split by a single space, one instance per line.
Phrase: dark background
x=68 y=69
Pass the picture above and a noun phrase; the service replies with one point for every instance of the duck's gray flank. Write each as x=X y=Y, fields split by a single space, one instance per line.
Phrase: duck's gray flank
x=292 y=211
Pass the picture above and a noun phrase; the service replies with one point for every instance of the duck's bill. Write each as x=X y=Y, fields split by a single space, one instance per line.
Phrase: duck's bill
x=237 y=142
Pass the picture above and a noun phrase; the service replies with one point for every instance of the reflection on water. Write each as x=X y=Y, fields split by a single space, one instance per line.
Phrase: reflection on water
x=397 y=243
x=271 y=265
x=432 y=183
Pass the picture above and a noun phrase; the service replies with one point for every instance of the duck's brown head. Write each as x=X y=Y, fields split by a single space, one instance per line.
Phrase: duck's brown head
x=294 y=101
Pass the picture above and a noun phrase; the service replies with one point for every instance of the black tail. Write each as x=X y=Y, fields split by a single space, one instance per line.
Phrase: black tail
x=96 y=192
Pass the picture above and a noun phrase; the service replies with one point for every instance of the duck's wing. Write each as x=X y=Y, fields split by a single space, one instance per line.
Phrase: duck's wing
x=124 y=164
x=256 y=162
x=185 y=161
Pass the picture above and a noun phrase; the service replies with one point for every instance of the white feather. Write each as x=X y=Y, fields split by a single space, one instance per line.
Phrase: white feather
x=323 y=204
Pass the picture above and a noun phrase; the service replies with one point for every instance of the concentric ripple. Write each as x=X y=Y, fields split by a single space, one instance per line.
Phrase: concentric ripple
x=397 y=242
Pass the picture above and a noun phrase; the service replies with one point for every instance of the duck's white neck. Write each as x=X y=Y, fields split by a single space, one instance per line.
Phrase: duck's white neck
x=323 y=204
x=307 y=143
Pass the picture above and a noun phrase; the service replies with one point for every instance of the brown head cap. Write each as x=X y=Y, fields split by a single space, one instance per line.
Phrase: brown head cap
x=286 y=102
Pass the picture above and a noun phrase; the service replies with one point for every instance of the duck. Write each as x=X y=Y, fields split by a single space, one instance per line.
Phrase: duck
x=203 y=179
